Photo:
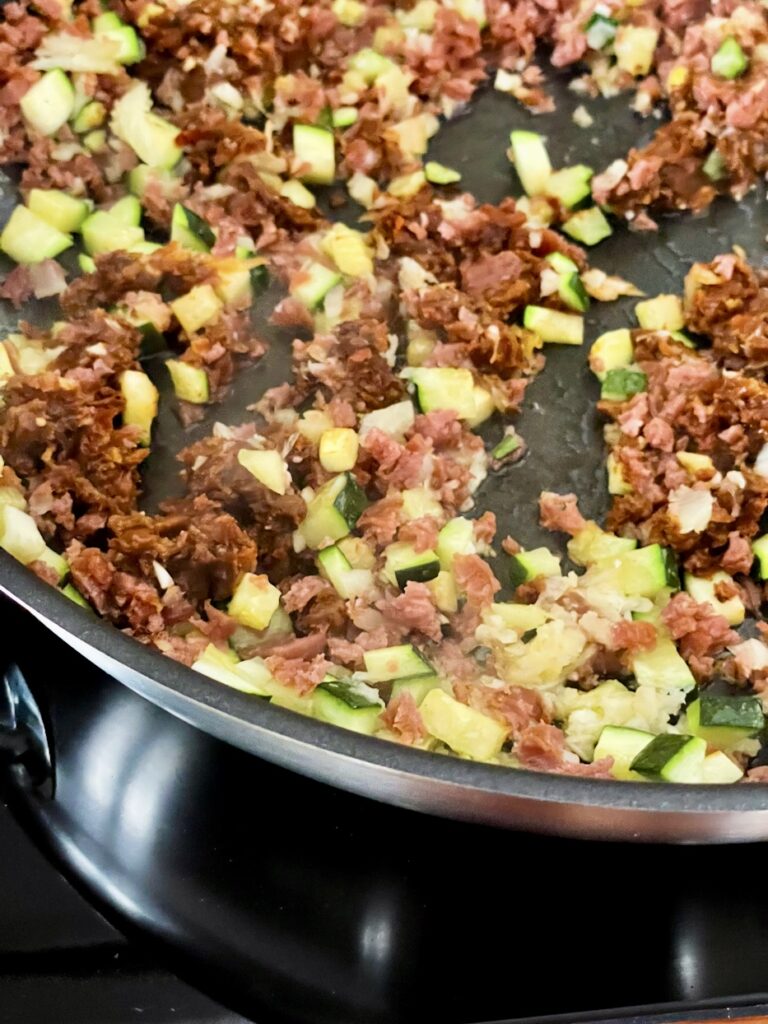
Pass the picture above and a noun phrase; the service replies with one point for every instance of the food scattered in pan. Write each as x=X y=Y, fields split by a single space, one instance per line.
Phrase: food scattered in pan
x=331 y=553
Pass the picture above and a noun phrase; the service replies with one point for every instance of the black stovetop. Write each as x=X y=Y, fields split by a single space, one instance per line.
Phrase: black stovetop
x=167 y=865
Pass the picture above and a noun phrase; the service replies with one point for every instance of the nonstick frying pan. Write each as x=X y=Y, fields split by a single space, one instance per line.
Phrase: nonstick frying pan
x=565 y=453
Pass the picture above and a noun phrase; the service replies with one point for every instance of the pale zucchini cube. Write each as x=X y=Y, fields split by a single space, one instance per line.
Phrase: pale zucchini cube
x=49 y=103
x=197 y=308
x=27 y=238
x=19 y=535
x=338 y=449
x=141 y=399
x=460 y=727
x=254 y=601
x=189 y=382
x=267 y=466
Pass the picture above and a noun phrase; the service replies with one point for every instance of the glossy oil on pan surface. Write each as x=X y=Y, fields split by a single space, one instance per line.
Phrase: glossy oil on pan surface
x=564 y=435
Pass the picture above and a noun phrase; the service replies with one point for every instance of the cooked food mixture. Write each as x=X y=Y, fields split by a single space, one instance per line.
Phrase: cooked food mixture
x=329 y=554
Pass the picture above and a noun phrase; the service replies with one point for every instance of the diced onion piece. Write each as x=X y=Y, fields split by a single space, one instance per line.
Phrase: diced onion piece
x=691 y=508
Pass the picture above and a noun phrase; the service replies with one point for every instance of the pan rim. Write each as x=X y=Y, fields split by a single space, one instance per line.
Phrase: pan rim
x=163 y=673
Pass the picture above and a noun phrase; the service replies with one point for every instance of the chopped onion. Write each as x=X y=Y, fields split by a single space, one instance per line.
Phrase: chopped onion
x=691 y=508
x=164 y=579
x=761 y=462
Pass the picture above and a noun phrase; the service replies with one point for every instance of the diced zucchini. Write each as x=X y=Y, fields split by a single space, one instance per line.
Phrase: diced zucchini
x=485 y=406
x=103 y=233
x=439 y=174
x=314 y=151
x=530 y=565
x=333 y=511
x=95 y=141
x=267 y=465
x=49 y=103
x=612 y=351
x=191 y=231
x=445 y=387
x=663 y=313
x=421 y=16
x=508 y=444
x=127 y=211
x=348 y=703
x=702 y=589
x=573 y=293
x=298 y=194
x=254 y=601
x=141 y=400
x=471 y=10
x=696 y=463
x=443 y=590
x=520 y=617
x=143 y=176
x=715 y=166
x=86 y=263
x=553 y=326
x=61 y=211
x=343 y=117
x=662 y=668
x=760 y=551
x=588 y=226
x=403 y=564
x=724 y=721
x=671 y=758
x=623 y=745
x=419 y=502
x=190 y=383
x=617 y=482
x=635 y=46
x=130 y=46
x=349 y=250
x=592 y=545
x=395 y=420
x=729 y=61
x=570 y=185
x=12 y=496
x=357 y=552
x=93 y=115
x=561 y=263
x=600 y=30
x=338 y=449
x=646 y=571
x=531 y=160
x=19 y=535
x=75 y=596
x=223 y=667
x=152 y=138
x=347 y=581
x=369 y=65
x=457 y=537
x=621 y=384
x=418 y=688
x=460 y=727
x=234 y=283
x=56 y=562
x=198 y=307
x=407 y=185
x=313 y=284
x=27 y=238
x=402 y=662
x=719 y=769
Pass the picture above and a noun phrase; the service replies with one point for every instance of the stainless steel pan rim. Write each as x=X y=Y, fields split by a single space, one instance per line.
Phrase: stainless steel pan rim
x=444 y=785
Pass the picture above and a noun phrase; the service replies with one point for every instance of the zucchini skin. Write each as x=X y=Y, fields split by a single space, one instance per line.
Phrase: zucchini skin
x=351 y=502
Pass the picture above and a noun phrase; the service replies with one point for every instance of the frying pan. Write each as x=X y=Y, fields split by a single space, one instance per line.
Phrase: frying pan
x=565 y=453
